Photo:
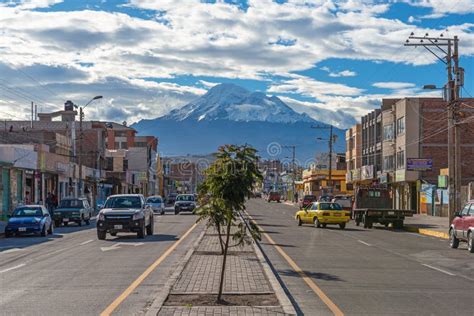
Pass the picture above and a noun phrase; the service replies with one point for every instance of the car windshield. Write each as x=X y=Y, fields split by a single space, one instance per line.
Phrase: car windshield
x=185 y=198
x=330 y=206
x=27 y=212
x=70 y=204
x=154 y=200
x=123 y=202
x=309 y=198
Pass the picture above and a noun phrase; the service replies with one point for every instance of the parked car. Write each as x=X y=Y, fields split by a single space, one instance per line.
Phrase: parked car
x=29 y=219
x=345 y=201
x=322 y=214
x=72 y=210
x=184 y=202
x=462 y=227
x=274 y=196
x=258 y=194
x=307 y=200
x=125 y=213
x=157 y=204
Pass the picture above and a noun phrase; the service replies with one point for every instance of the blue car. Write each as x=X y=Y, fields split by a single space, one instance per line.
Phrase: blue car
x=29 y=219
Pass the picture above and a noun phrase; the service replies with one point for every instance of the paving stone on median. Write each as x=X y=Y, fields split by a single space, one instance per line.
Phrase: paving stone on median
x=243 y=275
x=211 y=244
x=220 y=310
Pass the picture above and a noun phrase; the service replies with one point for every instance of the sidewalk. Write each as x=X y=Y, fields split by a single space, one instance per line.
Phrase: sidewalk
x=250 y=288
x=428 y=225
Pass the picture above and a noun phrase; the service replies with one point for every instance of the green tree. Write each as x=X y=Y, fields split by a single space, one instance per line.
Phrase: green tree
x=229 y=182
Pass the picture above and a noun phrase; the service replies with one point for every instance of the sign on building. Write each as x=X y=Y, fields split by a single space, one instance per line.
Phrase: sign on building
x=419 y=164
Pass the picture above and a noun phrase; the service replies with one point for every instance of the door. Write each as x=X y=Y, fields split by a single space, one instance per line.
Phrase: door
x=460 y=225
x=468 y=220
x=308 y=216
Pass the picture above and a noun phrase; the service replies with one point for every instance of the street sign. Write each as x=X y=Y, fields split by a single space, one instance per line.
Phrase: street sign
x=419 y=164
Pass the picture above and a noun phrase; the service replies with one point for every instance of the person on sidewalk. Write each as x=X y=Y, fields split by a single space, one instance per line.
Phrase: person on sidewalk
x=295 y=197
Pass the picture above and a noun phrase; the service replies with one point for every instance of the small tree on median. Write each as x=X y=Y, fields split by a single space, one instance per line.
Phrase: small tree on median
x=229 y=182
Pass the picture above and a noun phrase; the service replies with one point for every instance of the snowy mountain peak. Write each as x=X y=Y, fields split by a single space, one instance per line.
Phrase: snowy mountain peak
x=231 y=102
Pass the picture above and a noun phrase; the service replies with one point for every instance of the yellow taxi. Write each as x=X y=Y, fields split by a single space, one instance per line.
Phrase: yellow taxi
x=322 y=214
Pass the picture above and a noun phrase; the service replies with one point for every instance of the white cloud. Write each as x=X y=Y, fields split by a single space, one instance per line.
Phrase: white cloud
x=208 y=84
x=393 y=85
x=344 y=73
x=442 y=7
x=313 y=88
x=31 y=4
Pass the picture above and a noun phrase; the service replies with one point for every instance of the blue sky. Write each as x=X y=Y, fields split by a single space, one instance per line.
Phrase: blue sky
x=334 y=60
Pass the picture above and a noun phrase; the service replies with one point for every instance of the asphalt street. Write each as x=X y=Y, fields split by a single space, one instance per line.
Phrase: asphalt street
x=74 y=273
x=365 y=272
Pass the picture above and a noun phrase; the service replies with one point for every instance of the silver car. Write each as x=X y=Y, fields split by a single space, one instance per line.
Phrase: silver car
x=157 y=204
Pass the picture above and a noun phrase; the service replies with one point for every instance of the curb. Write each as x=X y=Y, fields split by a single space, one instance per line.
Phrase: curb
x=160 y=299
x=427 y=232
x=284 y=300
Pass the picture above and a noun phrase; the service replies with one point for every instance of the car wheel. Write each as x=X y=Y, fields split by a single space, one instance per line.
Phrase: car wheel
x=7 y=235
x=80 y=222
x=453 y=240
x=317 y=224
x=113 y=234
x=150 y=228
x=470 y=242
x=323 y=225
x=298 y=220
x=101 y=234
x=141 y=232
x=176 y=212
x=162 y=213
x=342 y=225
x=44 y=232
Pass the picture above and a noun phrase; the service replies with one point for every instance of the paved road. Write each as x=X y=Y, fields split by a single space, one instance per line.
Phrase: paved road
x=74 y=273
x=366 y=272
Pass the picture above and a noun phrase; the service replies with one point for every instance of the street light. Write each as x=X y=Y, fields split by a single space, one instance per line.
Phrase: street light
x=81 y=118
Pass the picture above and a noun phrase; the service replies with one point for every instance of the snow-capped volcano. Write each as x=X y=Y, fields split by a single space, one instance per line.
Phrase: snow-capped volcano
x=231 y=102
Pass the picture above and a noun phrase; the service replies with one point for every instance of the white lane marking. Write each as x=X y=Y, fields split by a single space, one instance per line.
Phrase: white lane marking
x=13 y=268
x=117 y=245
x=438 y=269
x=86 y=242
x=363 y=242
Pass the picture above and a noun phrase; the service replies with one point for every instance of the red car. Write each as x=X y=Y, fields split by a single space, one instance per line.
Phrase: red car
x=307 y=200
x=274 y=196
x=462 y=227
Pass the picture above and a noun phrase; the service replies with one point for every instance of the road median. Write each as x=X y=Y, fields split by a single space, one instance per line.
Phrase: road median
x=250 y=287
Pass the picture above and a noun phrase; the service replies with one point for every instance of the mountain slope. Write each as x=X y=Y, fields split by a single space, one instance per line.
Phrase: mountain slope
x=230 y=114
x=231 y=102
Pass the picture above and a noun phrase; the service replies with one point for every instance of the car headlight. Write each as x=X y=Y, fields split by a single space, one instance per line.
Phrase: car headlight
x=101 y=217
x=137 y=216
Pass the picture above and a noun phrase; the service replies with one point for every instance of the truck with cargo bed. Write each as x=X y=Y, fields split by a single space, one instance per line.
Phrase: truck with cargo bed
x=374 y=205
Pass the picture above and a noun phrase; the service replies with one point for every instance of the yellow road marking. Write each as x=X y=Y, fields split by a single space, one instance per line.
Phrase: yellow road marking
x=143 y=276
x=330 y=304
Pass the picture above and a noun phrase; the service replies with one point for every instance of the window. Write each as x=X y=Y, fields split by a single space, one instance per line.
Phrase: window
x=125 y=165
x=465 y=211
x=401 y=159
x=388 y=132
x=116 y=145
x=388 y=162
x=123 y=145
x=401 y=126
x=120 y=133
x=110 y=163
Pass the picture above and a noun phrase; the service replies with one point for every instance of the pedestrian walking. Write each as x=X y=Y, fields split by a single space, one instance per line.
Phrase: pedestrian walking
x=49 y=202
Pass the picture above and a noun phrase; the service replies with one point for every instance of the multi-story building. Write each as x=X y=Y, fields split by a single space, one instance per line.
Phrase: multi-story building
x=371 y=147
x=353 y=154
x=415 y=146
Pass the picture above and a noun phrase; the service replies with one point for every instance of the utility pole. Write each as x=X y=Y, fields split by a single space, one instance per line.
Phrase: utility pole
x=81 y=136
x=293 y=167
x=330 y=143
x=451 y=96
x=32 y=115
